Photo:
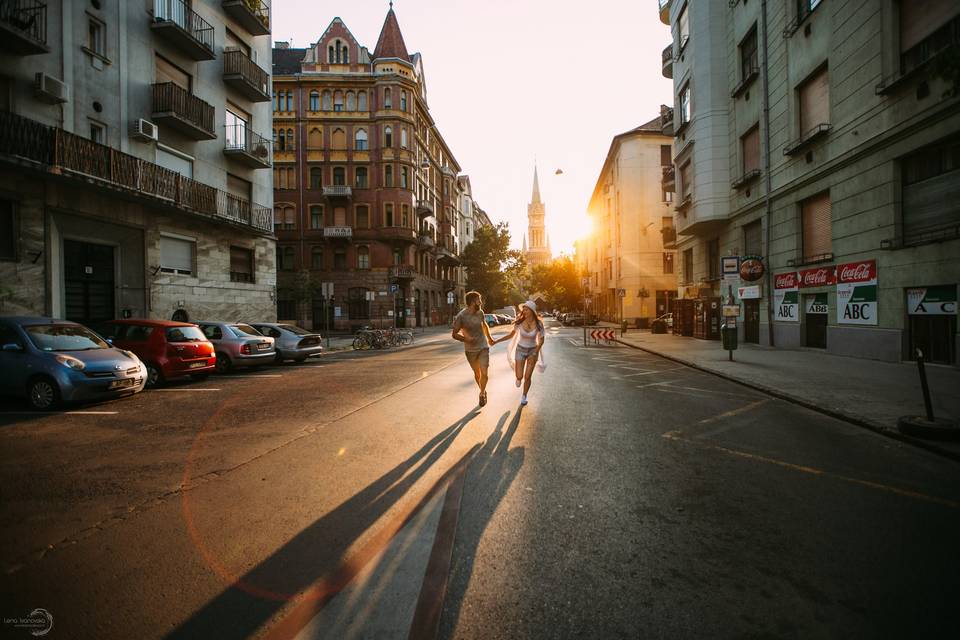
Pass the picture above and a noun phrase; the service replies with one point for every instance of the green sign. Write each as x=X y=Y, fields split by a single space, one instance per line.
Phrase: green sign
x=932 y=301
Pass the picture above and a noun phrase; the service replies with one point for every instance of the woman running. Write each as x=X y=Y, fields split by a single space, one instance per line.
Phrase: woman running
x=524 y=352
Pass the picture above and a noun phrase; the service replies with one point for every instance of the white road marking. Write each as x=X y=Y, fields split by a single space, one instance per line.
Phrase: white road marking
x=183 y=390
x=253 y=375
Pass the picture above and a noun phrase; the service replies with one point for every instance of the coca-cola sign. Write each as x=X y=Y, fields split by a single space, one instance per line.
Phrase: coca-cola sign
x=785 y=280
x=819 y=277
x=751 y=269
x=863 y=271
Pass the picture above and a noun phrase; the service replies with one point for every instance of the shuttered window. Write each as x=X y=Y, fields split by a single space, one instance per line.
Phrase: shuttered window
x=750 y=147
x=666 y=158
x=176 y=255
x=931 y=192
x=920 y=19
x=816 y=219
x=238 y=187
x=815 y=102
x=241 y=264
x=166 y=71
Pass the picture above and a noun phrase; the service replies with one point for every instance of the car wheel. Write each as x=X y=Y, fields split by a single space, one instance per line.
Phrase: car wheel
x=43 y=394
x=154 y=375
x=300 y=360
x=223 y=363
x=278 y=359
x=199 y=377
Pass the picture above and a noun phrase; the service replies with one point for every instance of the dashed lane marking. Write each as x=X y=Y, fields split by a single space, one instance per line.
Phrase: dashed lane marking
x=183 y=390
x=253 y=375
x=647 y=373
x=907 y=493
x=734 y=412
x=696 y=391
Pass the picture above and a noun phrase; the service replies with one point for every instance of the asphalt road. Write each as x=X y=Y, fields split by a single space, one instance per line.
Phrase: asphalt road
x=631 y=498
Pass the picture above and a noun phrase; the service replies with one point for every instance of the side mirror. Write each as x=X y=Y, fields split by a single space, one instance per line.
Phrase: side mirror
x=110 y=341
x=13 y=347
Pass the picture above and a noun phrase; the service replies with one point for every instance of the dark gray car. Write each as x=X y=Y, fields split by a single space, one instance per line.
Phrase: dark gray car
x=290 y=341
x=237 y=344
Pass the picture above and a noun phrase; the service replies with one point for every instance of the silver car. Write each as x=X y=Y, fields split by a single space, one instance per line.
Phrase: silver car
x=237 y=344
x=290 y=341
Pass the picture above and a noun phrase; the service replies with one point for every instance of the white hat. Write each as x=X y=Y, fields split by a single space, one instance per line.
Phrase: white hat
x=530 y=304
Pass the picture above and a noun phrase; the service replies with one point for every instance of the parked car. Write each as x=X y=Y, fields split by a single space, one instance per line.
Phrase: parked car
x=50 y=362
x=491 y=319
x=169 y=349
x=667 y=318
x=290 y=341
x=562 y=318
x=503 y=318
x=237 y=344
x=662 y=324
x=573 y=320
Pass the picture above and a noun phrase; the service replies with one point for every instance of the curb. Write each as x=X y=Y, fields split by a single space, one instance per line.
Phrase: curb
x=871 y=425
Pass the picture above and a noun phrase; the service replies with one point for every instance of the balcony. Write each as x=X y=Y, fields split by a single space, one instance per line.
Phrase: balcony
x=807 y=139
x=664 y=6
x=669 y=237
x=667 y=61
x=176 y=107
x=746 y=179
x=337 y=191
x=338 y=232
x=669 y=178
x=749 y=76
x=424 y=209
x=445 y=255
x=252 y=15
x=917 y=57
x=183 y=28
x=31 y=145
x=427 y=241
x=402 y=272
x=243 y=74
x=23 y=27
x=247 y=147
x=403 y=235
x=666 y=120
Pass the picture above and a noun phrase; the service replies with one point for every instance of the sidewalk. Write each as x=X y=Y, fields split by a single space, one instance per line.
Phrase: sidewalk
x=869 y=393
x=344 y=341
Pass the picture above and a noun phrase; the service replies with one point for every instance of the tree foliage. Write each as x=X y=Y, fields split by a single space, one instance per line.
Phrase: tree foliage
x=559 y=281
x=491 y=264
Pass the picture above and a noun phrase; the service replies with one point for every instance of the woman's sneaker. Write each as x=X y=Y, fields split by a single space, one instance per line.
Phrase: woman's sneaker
x=523 y=401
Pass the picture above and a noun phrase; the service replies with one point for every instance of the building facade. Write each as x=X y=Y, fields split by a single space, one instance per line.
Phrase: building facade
x=536 y=242
x=629 y=257
x=132 y=179
x=821 y=139
x=368 y=202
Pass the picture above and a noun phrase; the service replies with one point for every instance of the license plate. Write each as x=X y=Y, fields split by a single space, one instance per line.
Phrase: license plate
x=121 y=384
x=263 y=346
x=197 y=365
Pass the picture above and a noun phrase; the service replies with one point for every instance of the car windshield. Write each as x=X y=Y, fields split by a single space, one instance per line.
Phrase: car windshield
x=64 y=337
x=185 y=334
x=294 y=329
x=244 y=330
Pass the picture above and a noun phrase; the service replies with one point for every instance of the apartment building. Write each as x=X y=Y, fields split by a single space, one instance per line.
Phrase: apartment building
x=820 y=138
x=629 y=257
x=368 y=198
x=133 y=181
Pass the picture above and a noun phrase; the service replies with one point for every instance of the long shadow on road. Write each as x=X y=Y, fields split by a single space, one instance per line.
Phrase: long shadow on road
x=319 y=551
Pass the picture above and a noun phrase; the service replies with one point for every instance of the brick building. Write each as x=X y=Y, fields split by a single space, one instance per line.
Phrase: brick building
x=367 y=195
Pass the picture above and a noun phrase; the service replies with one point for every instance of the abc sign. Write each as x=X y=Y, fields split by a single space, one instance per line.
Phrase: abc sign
x=751 y=269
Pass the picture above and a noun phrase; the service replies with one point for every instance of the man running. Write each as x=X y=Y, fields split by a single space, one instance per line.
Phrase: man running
x=470 y=329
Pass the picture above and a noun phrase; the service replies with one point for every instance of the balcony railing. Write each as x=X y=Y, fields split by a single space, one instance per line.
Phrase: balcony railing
x=25 y=141
x=916 y=57
x=23 y=26
x=669 y=237
x=424 y=208
x=184 y=111
x=427 y=241
x=184 y=27
x=668 y=178
x=663 y=6
x=244 y=75
x=338 y=191
x=667 y=61
x=254 y=15
x=807 y=139
x=246 y=146
x=402 y=272
x=666 y=121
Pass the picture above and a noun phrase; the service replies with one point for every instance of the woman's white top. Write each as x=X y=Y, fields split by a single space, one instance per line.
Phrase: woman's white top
x=527 y=340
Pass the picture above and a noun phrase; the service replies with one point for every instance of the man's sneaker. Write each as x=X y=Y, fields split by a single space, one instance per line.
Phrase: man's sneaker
x=523 y=401
x=519 y=382
x=483 y=398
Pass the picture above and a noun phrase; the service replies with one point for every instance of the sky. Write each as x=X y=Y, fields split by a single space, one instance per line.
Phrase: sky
x=510 y=82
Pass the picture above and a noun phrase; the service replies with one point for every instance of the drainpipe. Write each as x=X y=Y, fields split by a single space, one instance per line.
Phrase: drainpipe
x=768 y=203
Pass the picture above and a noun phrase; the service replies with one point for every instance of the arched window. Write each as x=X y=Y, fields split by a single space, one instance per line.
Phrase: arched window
x=388 y=216
x=316 y=258
x=316 y=178
x=339 y=176
x=360 y=140
x=277 y=219
x=361 y=177
x=404 y=175
x=276 y=100
x=338 y=50
x=388 y=137
x=285 y=259
x=315 y=138
x=388 y=177
x=387 y=99
x=363 y=258
x=346 y=54
x=276 y=178
x=289 y=101
x=338 y=139
x=327 y=102
x=289 y=219
x=291 y=178
x=331 y=55
x=403 y=101
x=338 y=101
x=362 y=101
x=314 y=101
x=290 y=140
x=283 y=140
x=403 y=137
x=351 y=101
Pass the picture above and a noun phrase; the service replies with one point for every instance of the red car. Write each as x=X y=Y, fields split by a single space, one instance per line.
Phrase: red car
x=168 y=349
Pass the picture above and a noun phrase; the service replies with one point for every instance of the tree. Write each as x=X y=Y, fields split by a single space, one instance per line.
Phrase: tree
x=559 y=281
x=491 y=264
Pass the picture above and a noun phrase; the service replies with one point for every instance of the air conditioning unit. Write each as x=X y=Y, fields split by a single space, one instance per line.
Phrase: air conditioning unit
x=143 y=130
x=50 y=89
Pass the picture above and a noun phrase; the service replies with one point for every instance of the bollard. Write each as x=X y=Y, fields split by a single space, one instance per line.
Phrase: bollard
x=927 y=403
x=931 y=426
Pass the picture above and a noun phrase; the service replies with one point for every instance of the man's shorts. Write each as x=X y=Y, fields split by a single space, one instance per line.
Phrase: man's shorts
x=479 y=359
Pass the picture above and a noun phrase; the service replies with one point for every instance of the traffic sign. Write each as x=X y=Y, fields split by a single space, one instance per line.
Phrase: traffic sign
x=603 y=334
x=622 y=292
x=394 y=288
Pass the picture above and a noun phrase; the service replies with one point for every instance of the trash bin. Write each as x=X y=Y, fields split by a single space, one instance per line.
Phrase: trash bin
x=728 y=336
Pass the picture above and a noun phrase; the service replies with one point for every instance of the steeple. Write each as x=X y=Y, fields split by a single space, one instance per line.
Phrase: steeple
x=524 y=243
x=536 y=187
x=390 y=44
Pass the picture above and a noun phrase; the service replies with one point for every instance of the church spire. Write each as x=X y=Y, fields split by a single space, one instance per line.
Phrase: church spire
x=536 y=187
x=390 y=44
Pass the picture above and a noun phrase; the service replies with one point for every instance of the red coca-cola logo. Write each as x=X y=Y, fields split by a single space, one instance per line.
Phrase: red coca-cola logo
x=751 y=269
x=858 y=271
x=819 y=277
x=785 y=280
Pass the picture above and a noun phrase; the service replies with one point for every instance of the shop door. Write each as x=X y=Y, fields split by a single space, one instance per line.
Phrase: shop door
x=398 y=310
x=88 y=278
x=815 y=317
x=935 y=336
x=751 y=321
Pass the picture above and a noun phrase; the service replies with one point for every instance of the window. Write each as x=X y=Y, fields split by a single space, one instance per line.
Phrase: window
x=688 y=265
x=713 y=258
x=931 y=190
x=363 y=258
x=235 y=129
x=314 y=101
x=686 y=180
x=388 y=175
x=360 y=140
x=403 y=101
x=357 y=305
x=98 y=132
x=176 y=255
x=315 y=138
x=277 y=99
x=749 y=63
x=666 y=155
x=327 y=101
x=285 y=258
x=750 y=150
x=316 y=258
x=814 y=103
x=397 y=257
x=338 y=101
x=388 y=137
x=362 y=101
x=8 y=231
x=331 y=54
x=166 y=71
x=281 y=141
x=284 y=218
x=316 y=178
x=753 y=238
x=339 y=217
x=388 y=215
x=684 y=28
x=387 y=99
x=405 y=215
x=816 y=222
x=316 y=216
x=403 y=137
x=351 y=101
x=361 y=177
x=339 y=139
x=404 y=178
x=289 y=101
x=925 y=29
x=362 y=217
x=340 y=260
x=685 y=104
x=95 y=36
x=241 y=264
x=339 y=176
